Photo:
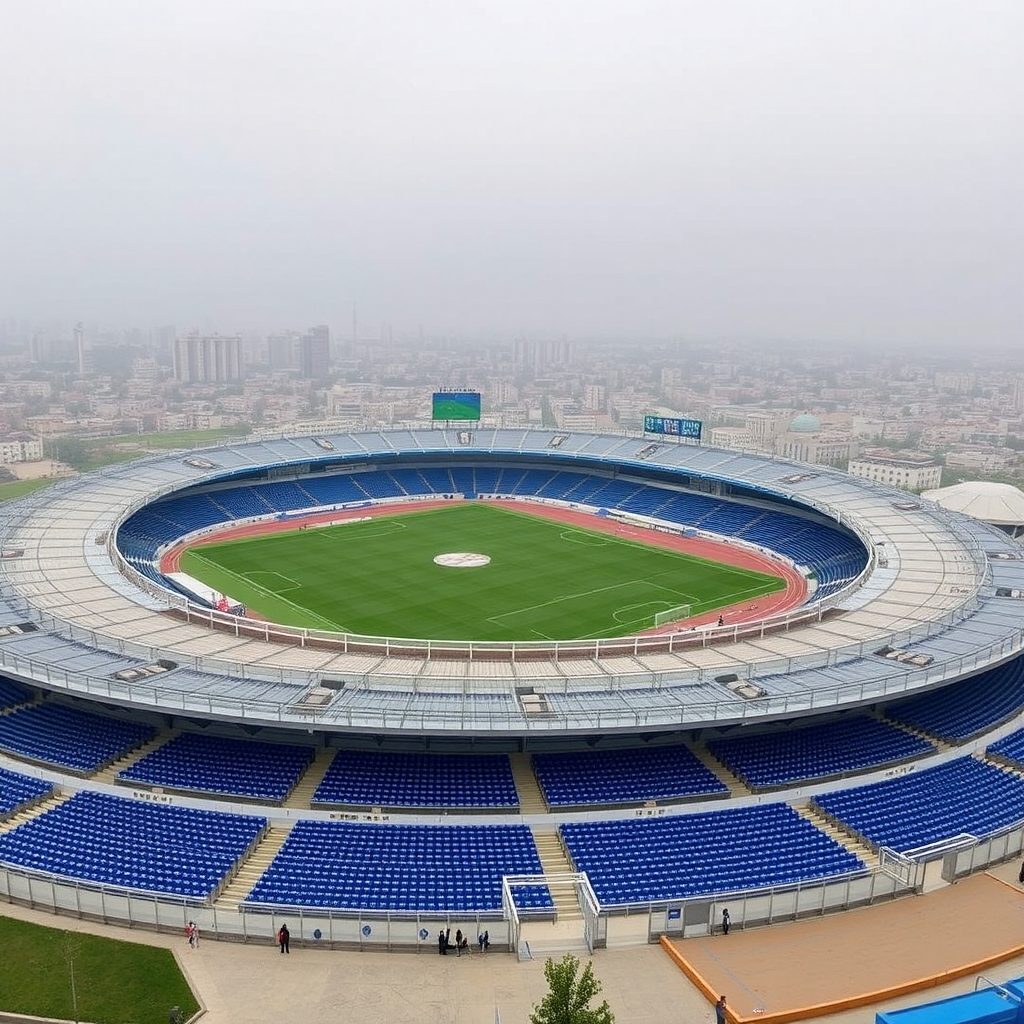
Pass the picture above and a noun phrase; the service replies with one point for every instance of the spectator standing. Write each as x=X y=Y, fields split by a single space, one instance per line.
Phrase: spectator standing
x=720 y=1011
x=725 y=921
x=283 y=938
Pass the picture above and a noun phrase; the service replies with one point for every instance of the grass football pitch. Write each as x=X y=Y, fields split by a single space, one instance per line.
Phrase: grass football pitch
x=545 y=580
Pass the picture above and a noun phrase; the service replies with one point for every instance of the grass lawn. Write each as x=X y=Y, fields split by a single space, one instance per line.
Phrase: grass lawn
x=19 y=488
x=116 y=982
x=545 y=580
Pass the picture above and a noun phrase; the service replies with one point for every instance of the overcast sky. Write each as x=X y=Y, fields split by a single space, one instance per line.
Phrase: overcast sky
x=823 y=169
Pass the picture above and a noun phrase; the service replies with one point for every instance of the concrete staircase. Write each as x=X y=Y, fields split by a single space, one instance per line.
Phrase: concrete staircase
x=941 y=745
x=554 y=861
x=531 y=799
x=302 y=795
x=1003 y=766
x=821 y=822
x=18 y=707
x=47 y=804
x=252 y=867
x=109 y=773
x=726 y=777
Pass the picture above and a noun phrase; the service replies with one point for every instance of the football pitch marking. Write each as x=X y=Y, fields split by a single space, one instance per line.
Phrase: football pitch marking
x=563 y=598
x=462 y=560
x=261 y=573
x=642 y=598
x=375 y=527
x=588 y=540
x=243 y=578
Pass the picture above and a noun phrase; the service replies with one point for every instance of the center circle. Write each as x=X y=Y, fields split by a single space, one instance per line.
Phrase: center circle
x=462 y=560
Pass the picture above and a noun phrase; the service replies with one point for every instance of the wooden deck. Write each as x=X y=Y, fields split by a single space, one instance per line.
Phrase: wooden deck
x=830 y=964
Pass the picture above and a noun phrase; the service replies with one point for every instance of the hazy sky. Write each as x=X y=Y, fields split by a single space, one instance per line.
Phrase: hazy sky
x=833 y=169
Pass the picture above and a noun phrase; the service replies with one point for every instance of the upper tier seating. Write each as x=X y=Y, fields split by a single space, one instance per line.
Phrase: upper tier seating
x=656 y=859
x=401 y=868
x=782 y=758
x=963 y=710
x=133 y=845
x=399 y=779
x=242 y=502
x=834 y=557
x=962 y=796
x=623 y=776
x=215 y=764
x=66 y=736
x=409 y=481
x=16 y=790
x=12 y=693
x=334 y=490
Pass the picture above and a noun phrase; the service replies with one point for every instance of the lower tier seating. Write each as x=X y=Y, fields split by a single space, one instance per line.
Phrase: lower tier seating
x=962 y=796
x=133 y=845
x=16 y=790
x=657 y=859
x=401 y=868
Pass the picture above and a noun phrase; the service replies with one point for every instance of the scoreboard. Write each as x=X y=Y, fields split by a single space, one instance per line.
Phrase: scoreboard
x=690 y=429
x=455 y=405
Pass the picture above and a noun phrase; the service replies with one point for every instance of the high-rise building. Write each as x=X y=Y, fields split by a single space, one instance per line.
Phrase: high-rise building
x=200 y=358
x=316 y=353
x=284 y=351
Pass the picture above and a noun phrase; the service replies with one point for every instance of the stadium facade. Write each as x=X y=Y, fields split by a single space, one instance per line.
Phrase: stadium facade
x=904 y=598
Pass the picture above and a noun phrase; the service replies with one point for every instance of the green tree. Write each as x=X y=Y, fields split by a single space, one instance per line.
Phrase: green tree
x=570 y=991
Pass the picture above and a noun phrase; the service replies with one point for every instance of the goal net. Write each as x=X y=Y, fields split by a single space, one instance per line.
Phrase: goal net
x=681 y=611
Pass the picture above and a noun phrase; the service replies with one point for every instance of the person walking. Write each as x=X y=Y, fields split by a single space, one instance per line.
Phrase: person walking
x=283 y=938
x=720 y=1011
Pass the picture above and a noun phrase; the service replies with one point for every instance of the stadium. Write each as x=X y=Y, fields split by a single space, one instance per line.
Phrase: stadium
x=575 y=690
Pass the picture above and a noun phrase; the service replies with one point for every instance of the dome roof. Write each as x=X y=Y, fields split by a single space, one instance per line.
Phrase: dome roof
x=998 y=504
x=805 y=423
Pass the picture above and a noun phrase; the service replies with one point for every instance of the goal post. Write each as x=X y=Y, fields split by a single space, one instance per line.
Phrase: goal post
x=680 y=611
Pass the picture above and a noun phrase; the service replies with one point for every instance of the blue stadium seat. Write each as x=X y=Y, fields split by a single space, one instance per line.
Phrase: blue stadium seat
x=962 y=796
x=216 y=764
x=788 y=757
x=623 y=776
x=133 y=845
x=652 y=860
x=400 y=868
x=400 y=779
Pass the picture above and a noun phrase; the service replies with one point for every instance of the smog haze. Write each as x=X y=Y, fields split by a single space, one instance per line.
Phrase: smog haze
x=849 y=172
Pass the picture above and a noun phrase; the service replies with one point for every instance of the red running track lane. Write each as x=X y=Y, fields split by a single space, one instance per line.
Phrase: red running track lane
x=794 y=594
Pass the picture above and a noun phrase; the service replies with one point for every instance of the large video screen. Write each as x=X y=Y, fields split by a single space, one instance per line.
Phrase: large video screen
x=456 y=405
x=673 y=427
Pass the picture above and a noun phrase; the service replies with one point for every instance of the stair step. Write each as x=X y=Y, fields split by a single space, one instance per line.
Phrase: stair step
x=301 y=795
x=726 y=777
x=252 y=867
x=34 y=811
x=110 y=772
x=531 y=798
x=824 y=824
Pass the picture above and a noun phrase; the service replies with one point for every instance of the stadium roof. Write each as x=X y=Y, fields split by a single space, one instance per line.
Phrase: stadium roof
x=998 y=504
